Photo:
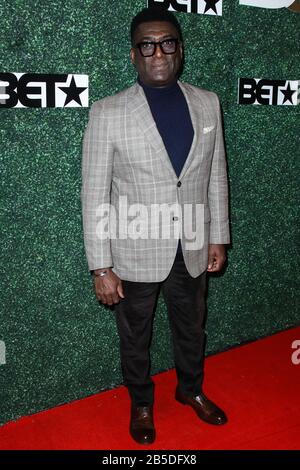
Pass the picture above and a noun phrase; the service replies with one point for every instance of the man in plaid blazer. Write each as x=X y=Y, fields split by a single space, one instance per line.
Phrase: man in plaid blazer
x=155 y=213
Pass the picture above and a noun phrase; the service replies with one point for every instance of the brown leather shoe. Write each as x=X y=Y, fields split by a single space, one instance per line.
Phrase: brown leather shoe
x=205 y=409
x=141 y=424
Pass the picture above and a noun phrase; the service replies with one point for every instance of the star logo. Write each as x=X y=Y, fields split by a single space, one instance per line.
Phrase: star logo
x=72 y=91
x=211 y=5
x=288 y=94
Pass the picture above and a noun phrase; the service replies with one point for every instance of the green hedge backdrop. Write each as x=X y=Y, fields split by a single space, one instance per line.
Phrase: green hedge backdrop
x=60 y=343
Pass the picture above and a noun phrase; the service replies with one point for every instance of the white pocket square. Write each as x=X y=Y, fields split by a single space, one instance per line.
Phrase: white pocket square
x=208 y=129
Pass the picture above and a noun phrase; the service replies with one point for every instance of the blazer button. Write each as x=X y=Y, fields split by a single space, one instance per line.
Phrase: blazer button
x=179 y=184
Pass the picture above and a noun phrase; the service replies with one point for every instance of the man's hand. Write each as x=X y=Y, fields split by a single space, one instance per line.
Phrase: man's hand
x=216 y=258
x=108 y=288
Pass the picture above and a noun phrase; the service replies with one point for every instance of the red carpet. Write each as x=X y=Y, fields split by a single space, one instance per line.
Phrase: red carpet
x=257 y=384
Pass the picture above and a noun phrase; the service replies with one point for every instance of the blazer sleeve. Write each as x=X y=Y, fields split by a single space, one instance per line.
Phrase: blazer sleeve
x=97 y=163
x=218 y=188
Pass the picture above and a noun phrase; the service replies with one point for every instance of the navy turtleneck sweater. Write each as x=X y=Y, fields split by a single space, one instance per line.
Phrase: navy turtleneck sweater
x=172 y=117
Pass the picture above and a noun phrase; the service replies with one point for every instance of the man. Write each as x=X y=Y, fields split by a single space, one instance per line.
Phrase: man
x=158 y=143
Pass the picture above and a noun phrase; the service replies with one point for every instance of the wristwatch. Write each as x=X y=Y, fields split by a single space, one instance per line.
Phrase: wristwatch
x=102 y=273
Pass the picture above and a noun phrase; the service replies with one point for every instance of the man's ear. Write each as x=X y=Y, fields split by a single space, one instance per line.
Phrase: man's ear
x=132 y=55
x=181 y=50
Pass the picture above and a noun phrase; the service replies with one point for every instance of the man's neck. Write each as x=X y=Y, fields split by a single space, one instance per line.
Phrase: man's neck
x=153 y=87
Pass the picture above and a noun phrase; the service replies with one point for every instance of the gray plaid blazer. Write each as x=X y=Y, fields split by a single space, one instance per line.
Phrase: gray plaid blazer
x=125 y=163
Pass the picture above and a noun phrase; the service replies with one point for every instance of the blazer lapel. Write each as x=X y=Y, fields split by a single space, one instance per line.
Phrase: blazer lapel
x=138 y=106
x=196 y=113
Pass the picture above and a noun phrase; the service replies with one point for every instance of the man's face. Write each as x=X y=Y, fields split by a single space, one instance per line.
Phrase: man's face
x=161 y=69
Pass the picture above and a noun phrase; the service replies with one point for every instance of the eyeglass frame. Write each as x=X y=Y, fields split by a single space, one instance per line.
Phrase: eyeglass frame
x=139 y=44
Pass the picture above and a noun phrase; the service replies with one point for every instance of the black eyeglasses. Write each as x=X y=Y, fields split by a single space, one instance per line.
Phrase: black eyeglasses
x=167 y=46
